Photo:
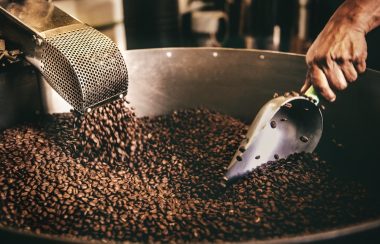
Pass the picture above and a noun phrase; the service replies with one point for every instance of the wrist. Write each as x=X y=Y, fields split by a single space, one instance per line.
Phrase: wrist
x=362 y=16
x=350 y=16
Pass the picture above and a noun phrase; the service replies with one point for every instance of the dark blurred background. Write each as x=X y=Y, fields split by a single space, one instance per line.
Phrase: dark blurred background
x=281 y=25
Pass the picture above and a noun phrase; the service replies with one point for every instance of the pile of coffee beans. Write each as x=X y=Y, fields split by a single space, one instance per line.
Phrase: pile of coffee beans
x=109 y=175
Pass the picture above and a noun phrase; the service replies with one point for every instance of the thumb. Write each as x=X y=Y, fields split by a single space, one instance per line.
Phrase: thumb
x=306 y=85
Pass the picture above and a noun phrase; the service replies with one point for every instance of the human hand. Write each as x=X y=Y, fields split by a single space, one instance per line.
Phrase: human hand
x=336 y=57
x=339 y=53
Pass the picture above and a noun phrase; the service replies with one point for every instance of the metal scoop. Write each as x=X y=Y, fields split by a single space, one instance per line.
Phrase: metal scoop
x=284 y=125
x=84 y=66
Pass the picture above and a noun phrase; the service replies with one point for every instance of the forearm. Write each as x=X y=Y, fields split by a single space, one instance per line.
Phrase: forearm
x=363 y=15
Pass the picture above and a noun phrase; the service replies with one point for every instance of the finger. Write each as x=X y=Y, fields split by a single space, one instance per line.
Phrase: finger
x=349 y=71
x=360 y=66
x=306 y=84
x=319 y=81
x=335 y=76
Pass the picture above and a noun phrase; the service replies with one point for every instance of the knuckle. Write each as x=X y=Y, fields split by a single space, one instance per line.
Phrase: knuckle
x=316 y=59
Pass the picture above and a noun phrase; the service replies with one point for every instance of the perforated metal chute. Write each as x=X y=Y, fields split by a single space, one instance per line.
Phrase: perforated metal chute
x=84 y=66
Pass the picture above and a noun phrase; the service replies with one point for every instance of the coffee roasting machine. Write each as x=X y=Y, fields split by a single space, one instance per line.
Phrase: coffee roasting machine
x=232 y=81
x=84 y=66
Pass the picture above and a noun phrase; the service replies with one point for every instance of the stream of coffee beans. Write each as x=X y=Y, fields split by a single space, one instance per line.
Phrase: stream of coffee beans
x=109 y=175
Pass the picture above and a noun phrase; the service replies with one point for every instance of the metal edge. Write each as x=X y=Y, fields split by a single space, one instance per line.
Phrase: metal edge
x=33 y=30
x=318 y=236
x=259 y=51
x=212 y=49
x=63 y=29
x=18 y=21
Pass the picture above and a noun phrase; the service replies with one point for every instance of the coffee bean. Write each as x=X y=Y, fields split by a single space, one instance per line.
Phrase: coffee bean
x=304 y=139
x=294 y=93
x=273 y=124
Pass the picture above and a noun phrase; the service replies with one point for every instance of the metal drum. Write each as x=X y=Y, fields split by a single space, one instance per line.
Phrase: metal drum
x=238 y=83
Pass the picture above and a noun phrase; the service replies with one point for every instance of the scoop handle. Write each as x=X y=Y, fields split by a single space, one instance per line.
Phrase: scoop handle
x=311 y=92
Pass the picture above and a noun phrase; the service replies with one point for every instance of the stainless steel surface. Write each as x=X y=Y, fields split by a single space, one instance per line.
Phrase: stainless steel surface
x=293 y=117
x=238 y=83
x=84 y=66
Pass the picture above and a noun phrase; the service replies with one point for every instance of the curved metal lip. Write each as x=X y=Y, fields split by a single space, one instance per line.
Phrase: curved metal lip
x=318 y=236
x=278 y=103
x=223 y=49
x=213 y=49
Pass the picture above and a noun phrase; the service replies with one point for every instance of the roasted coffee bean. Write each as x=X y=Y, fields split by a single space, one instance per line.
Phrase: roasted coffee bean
x=273 y=124
x=294 y=93
x=304 y=139
x=108 y=175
